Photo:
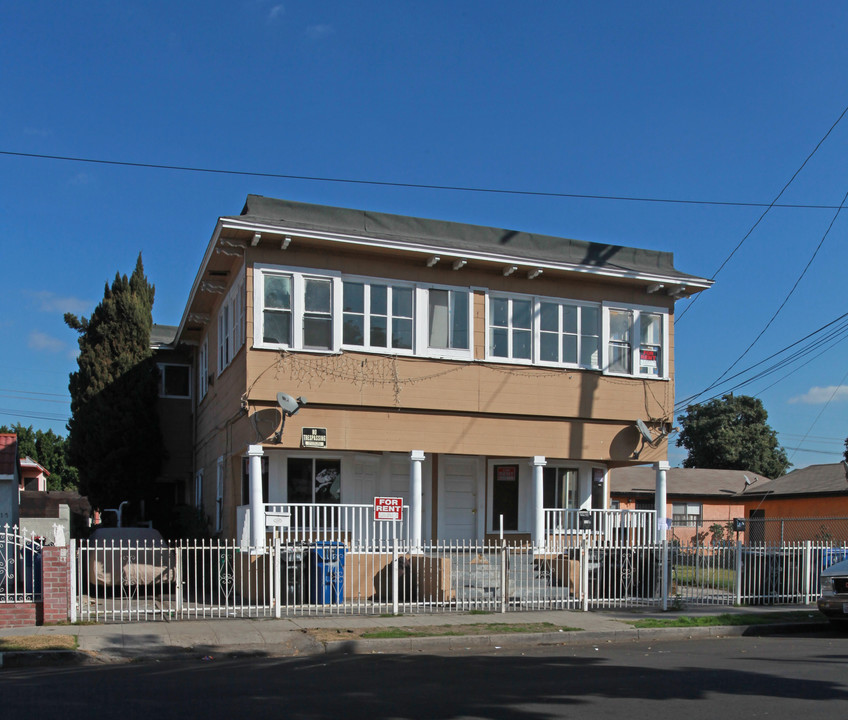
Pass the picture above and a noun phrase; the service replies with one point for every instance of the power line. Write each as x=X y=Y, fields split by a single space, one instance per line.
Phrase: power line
x=772 y=204
x=423 y=186
x=34 y=416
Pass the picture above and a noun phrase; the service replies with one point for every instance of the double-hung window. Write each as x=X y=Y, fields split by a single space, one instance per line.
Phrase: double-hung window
x=510 y=327
x=569 y=334
x=276 y=309
x=231 y=322
x=377 y=316
x=203 y=369
x=635 y=339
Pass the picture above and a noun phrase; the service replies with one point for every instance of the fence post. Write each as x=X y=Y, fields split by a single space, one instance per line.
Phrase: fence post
x=278 y=611
x=808 y=571
x=178 y=573
x=664 y=574
x=737 y=582
x=504 y=576
x=72 y=614
x=584 y=572
x=395 y=576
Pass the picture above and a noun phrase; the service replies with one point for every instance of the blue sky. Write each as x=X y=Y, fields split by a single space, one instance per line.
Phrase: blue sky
x=664 y=100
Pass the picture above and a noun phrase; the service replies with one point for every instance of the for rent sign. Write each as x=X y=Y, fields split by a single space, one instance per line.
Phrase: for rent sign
x=388 y=508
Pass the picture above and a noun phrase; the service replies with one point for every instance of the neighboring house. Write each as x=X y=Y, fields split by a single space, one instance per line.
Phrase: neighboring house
x=810 y=503
x=696 y=499
x=40 y=512
x=480 y=374
x=33 y=475
x=10 y=479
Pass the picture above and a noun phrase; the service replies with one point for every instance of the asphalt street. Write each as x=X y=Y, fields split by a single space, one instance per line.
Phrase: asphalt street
x=795 y=676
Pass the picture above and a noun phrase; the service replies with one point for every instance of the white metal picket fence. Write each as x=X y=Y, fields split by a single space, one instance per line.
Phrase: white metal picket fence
x=20 y=566
x=217 y=579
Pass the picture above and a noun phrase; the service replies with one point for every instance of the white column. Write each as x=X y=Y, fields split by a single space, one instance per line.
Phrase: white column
x=416 y=458
x=538 y=496
x=660 y=499
x=257 y=502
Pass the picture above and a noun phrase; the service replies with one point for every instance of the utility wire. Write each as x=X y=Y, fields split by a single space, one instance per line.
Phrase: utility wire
x=423 y=186
x=772 y=204
x=824 y=407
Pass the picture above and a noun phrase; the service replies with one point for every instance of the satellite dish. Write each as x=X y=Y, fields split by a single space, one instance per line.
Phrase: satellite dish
x=748 y=480
x=643 y=429
x=289 y=405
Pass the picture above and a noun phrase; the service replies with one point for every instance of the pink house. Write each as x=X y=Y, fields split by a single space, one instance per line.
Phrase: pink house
x=33 y=475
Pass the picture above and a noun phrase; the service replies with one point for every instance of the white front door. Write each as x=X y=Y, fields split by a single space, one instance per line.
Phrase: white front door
x=459 y=479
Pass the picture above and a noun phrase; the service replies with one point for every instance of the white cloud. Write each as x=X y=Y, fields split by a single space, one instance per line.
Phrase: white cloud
x=52 y=303
x=276 y=12
x=43 y=341
x=318 y=32
x=821 y=395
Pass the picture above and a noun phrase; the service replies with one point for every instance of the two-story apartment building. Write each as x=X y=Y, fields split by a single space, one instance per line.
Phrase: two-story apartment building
x=480 y=374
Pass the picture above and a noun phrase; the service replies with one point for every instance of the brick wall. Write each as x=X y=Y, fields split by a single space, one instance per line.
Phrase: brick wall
x=55 y=593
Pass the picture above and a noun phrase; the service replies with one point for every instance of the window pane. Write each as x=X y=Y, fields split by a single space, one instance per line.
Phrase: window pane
x=548 y=317
x=278 y=292
x=379 y=305
x=590 y=321
x=176 y=380
x=300 y=480
x=402 y=302
x=589 y=352
x=521 y=342
x=317 y=332
x=402 y=334
x=569 y=348
x=438 y=318
x=651 y=328
x=459 y=341
x=569 y=318
x=500 y=312
x=619 y=358
x=521 y=310
x=548 y=347
x=499 y=342
x=352 y=330
x=378 y=332
x=354 y=297
x=619 y=321
x=328 y=477
x=277 y=328
x=317 y=295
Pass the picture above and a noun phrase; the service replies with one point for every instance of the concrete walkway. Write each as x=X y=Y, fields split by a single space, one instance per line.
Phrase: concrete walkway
x=121 y=642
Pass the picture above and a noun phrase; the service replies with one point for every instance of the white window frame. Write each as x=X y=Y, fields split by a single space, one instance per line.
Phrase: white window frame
x=162 y=389
x=231 y=322
x=560 y=332
x=203 y=369
x=298 y=277
x=367 y=344
x=422 y=313
x=636 y=312
x=510 y=357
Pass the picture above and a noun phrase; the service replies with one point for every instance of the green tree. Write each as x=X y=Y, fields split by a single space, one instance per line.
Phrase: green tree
x=50 y=451
x=114 y=435
x=846 y=449
x=731 y=433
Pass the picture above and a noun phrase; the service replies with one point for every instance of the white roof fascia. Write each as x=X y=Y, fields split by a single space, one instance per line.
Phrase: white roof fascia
x=231 y=223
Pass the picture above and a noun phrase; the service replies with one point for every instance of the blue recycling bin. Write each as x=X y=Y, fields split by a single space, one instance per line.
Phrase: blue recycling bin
x=326 y=573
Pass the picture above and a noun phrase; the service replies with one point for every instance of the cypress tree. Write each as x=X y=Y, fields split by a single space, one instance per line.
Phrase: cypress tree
x=113 y=436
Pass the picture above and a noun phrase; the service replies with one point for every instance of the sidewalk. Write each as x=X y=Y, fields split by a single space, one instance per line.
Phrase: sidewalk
x=296 y=636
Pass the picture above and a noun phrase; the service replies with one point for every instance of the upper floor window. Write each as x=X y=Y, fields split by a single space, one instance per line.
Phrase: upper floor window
x=510 y=328
x=569 y=334
x=231 y=322
x=302 y=310
x=377 y=316
x=636 y=338
x=174 y=381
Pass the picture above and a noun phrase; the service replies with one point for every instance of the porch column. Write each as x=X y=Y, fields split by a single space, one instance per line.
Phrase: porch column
x=257 y=502
x=660 y=499
x=416 y=458
x=538 y=496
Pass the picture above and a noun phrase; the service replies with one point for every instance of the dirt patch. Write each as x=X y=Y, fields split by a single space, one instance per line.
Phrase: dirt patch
x=38 y=642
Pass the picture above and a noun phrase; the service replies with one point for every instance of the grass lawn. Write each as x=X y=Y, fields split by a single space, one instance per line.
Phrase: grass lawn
x=38 y=642
x=329 y=635
x=728 y=619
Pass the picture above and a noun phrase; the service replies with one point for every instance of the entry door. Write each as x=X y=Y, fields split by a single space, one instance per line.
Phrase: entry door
x=458 y=498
